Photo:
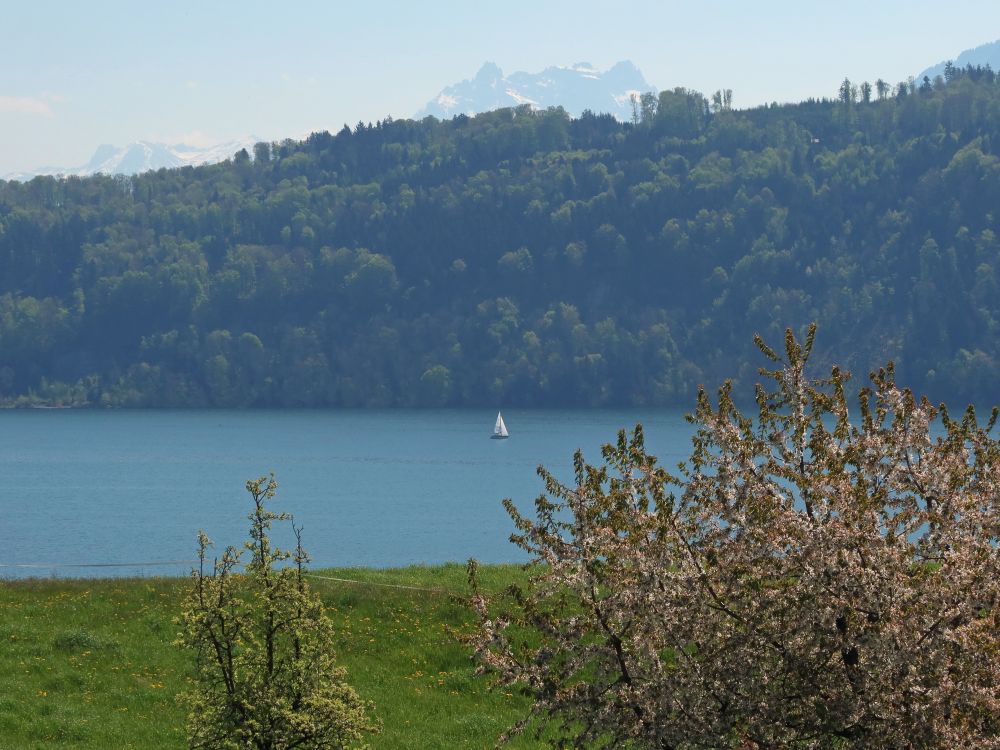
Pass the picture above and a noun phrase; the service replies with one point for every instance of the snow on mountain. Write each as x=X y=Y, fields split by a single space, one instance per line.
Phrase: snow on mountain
x=143 y=156
x=576 y=88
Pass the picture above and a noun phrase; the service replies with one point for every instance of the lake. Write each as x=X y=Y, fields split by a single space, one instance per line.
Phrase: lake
x=372 y=488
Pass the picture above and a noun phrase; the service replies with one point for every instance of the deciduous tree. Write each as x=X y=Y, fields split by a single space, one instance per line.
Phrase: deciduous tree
x=266 y=677
x=809 y=578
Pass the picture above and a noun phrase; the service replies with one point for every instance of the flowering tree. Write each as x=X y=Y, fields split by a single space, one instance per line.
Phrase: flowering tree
x=266 y=677
x=805 y=580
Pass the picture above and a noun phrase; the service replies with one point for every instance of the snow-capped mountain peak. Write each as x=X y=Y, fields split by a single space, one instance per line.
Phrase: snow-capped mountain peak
x=143 y=156
x=576 y=87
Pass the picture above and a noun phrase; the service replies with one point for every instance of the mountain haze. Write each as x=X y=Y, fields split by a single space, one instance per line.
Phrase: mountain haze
x=142 y=156
x=984 y=54
x=576 y=88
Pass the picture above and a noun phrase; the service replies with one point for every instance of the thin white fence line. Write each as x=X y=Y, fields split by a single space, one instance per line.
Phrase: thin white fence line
x=374 y=583
x=47 y=566
x=42 y=566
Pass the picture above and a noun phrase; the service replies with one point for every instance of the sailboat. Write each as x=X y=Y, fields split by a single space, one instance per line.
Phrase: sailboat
x=499 y=429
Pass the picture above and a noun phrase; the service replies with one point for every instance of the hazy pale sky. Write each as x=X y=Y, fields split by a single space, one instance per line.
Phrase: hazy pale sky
x=79 y=74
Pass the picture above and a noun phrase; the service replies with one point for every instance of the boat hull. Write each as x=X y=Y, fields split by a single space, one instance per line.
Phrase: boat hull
x=499 y=437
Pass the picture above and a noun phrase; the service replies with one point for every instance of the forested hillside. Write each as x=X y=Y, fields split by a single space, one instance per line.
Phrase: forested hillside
x=521 y=258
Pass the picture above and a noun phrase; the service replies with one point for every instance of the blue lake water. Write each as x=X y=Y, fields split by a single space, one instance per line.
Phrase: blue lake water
x=371 y=488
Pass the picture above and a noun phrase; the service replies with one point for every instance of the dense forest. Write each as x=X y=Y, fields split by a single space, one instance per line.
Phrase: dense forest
x=521 y=257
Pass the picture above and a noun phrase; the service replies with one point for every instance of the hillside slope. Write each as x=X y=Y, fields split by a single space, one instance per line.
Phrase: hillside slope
x=519 y=257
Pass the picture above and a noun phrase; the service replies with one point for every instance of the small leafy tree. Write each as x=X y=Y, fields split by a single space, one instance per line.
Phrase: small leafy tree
x=806 y=580
x=265 y=671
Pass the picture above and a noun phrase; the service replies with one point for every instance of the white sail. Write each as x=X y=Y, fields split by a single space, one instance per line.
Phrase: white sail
x=500 y=429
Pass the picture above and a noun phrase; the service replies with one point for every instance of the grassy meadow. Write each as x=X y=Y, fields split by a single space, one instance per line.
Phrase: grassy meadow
x=89 y=663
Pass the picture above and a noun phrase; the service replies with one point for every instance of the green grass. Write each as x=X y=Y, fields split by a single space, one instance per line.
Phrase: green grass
x=89 y=663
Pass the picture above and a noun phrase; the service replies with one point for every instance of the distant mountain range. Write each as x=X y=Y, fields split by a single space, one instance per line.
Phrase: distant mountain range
x=576 y=88
x=142 y=156
x=984 y=54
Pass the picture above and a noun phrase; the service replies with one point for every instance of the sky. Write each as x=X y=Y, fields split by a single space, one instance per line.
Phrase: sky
x=76 y=74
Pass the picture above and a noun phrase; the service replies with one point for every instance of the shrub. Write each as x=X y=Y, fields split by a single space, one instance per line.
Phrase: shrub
x=266 y=676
